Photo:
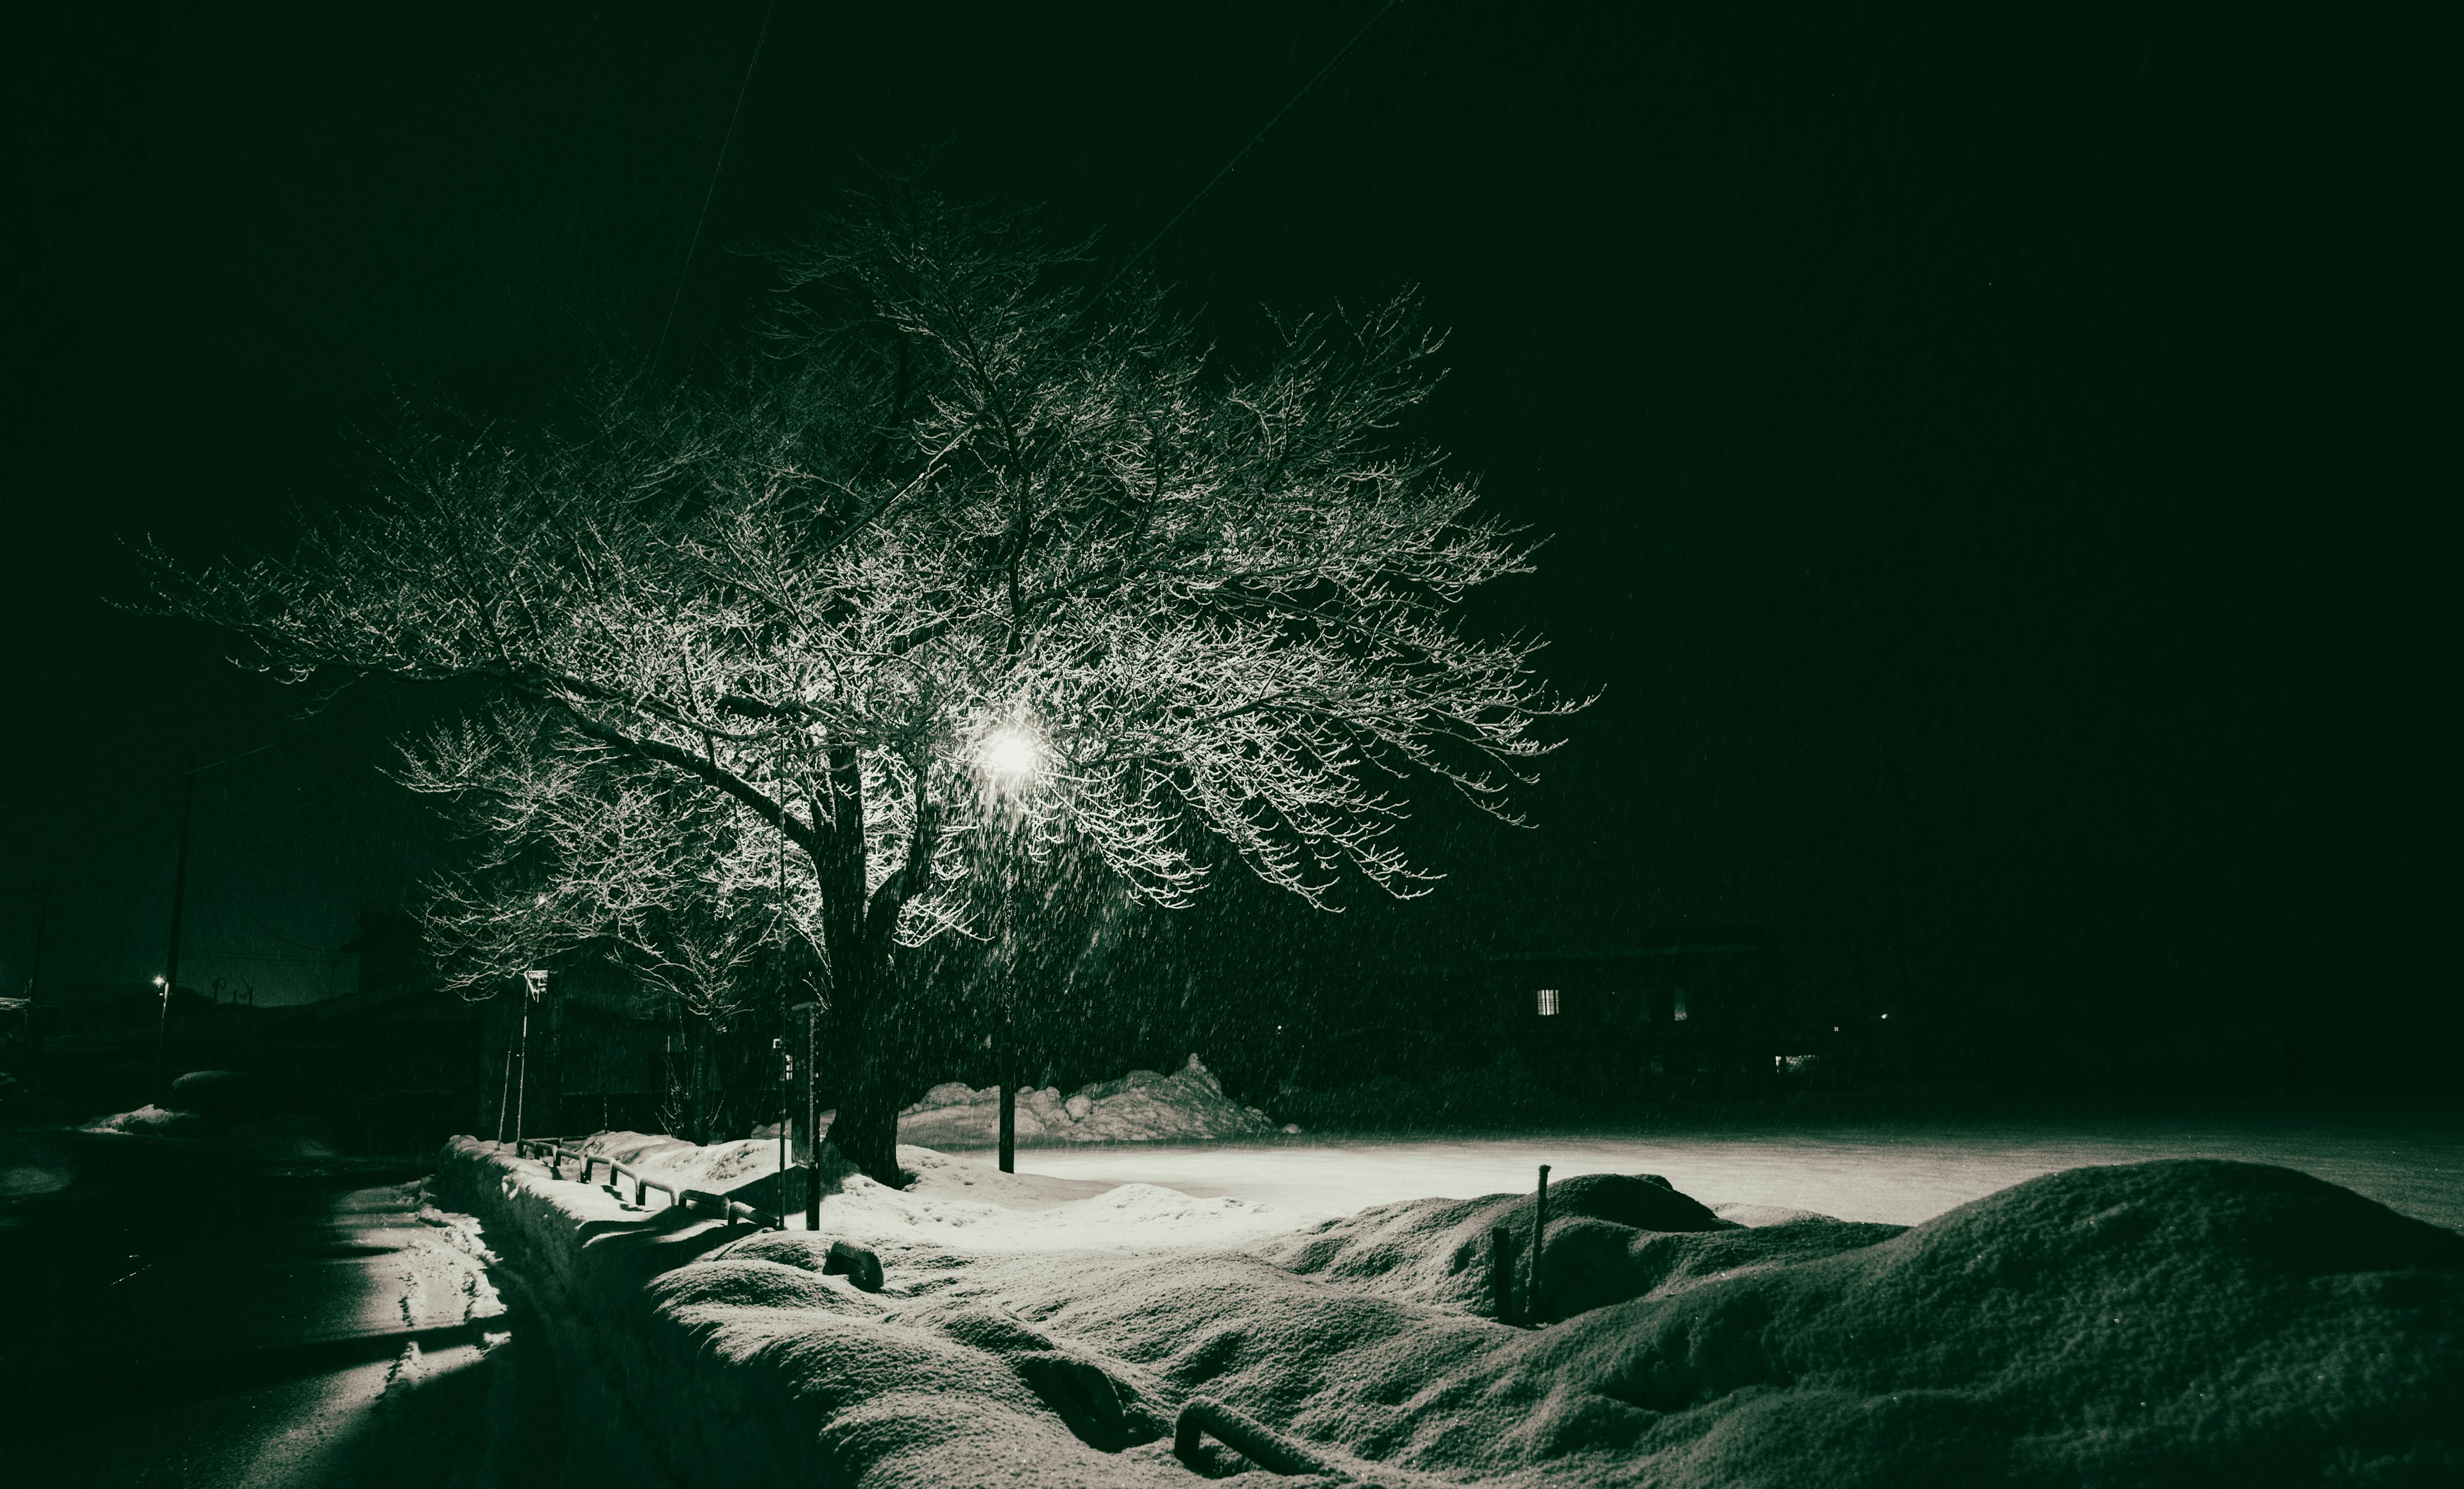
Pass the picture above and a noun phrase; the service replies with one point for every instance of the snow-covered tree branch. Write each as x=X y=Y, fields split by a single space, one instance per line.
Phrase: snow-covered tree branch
x=968 y=547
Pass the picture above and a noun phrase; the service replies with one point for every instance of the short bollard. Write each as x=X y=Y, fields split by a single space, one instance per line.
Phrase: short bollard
x=640 y=1189
x=554 y=1162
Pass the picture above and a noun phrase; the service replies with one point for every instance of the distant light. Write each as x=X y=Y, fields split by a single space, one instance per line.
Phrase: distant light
x=1886 y=1016
x=1547 y=1002
x=1010 y=752
x=157 y=980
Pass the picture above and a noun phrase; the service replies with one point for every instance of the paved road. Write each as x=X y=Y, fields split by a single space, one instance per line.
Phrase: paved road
x=185 y=1321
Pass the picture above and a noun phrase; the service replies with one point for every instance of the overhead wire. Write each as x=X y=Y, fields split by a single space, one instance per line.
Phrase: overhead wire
x=694 y=246
x=1242 y=154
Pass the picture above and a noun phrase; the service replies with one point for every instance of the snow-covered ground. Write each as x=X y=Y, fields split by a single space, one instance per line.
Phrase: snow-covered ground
x=1902 y=1173
x=2159 y=1322
x=961 y=1201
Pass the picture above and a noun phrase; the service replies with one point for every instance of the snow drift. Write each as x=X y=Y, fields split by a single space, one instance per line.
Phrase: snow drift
x=1142 y=1106
x=2178 y=1321
x=277 y=1135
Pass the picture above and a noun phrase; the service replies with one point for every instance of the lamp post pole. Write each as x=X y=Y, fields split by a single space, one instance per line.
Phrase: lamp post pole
x=171 y=958
x=813 y=1012
x=786 y=1091
x=533 y=987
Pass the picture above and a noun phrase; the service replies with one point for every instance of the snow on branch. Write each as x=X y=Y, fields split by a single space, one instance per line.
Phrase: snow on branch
x=746 y=645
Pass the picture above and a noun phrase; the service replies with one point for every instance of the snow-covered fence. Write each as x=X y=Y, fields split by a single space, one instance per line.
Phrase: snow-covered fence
x=556 y=1154
x=1254 y=1441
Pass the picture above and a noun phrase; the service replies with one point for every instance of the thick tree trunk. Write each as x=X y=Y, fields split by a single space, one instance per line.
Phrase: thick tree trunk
x=858 y=936
x=865 y=1130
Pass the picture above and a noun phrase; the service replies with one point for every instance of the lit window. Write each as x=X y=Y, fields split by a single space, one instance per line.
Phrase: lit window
x=1681 y=1003
x=1547 y=1002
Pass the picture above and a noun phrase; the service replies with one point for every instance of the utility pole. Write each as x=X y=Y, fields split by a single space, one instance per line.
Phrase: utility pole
x=34 y=984
x=786 y=1093
x=533 y=987
x=171 y=960
x=42 y=925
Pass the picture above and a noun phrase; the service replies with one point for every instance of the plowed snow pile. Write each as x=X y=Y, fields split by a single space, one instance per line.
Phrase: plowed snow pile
x=2187 y=1321
x=1142 y=1106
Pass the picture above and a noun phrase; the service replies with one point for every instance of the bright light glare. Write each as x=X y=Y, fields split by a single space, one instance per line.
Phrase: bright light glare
x=1010 y=752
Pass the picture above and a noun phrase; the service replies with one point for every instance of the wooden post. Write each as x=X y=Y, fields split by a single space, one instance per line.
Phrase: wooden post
x=1004 y=1058
x=1539 y=1241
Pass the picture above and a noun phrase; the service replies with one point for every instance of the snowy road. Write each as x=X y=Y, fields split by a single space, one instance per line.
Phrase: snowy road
x=189 y=1325
x=1901 y=1172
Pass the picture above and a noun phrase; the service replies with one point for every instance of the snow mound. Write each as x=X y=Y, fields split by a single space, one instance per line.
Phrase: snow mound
x=1611 y=1238
x=717 y=1167
x=2177 y=1322
x=1142 y=1106
x=282 y=1135
x=2184 y=1321
x=151 y=1121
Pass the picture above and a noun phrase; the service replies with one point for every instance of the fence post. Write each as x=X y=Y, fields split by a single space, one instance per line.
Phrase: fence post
x=1539 y=1241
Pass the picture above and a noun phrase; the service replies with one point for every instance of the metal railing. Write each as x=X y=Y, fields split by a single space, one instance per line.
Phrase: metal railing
x=555 y=1153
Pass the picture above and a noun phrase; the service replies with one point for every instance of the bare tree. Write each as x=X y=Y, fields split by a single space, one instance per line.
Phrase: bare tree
x=970 y=549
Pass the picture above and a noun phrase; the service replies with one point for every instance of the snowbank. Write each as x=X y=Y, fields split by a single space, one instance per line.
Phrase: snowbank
x=996 y=1211
x=2177 y=1322
x=30 y=1167
x=1142 y=1106
x=282 y=1135
x=1611 y=1238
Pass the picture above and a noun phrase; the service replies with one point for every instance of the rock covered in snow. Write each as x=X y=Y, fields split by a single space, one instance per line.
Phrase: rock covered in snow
x=1142 y=1106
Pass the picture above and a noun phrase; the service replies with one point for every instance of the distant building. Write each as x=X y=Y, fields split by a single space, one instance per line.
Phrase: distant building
x=1686 y=1007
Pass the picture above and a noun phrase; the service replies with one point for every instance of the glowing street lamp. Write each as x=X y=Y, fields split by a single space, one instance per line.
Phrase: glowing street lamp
x=1010 y=754
x=1012 y=757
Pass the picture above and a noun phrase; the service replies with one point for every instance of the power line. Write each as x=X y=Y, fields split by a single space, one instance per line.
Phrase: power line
x=725 y=141
x=294 y=736
x=1243 y=153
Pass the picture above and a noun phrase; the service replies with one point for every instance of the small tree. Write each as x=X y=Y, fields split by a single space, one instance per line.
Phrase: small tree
x=974 y=553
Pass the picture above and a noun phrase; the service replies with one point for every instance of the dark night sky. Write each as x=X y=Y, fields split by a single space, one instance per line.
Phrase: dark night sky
x=1989 y=470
